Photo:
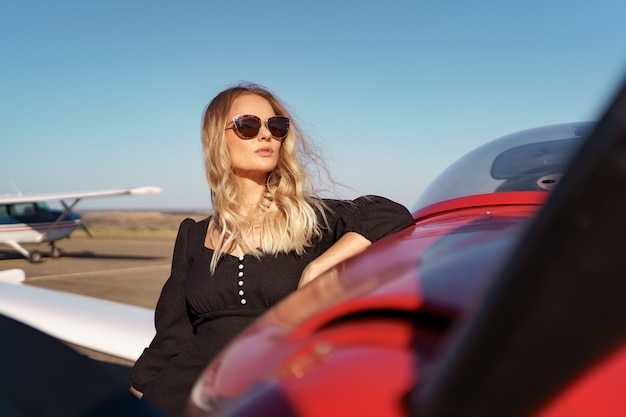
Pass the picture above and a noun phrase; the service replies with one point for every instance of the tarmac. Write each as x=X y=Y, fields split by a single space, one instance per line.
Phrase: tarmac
x=129 y=270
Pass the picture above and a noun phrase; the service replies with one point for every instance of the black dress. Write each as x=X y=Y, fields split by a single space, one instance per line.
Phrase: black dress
x=198 y=314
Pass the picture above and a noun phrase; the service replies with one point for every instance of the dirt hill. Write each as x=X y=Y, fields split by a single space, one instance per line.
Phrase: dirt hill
x=135 y=222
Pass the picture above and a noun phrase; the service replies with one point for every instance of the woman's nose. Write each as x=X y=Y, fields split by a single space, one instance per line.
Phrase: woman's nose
x=264 y=133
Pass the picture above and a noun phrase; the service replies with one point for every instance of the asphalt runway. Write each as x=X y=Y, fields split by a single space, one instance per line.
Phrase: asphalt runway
x=123 y=269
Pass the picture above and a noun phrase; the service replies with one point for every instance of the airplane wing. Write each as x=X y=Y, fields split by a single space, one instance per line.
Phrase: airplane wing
x=29 y=198
x=109 y=327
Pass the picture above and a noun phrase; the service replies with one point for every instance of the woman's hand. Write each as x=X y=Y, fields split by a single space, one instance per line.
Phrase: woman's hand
x=136 y=393
x=347 y=246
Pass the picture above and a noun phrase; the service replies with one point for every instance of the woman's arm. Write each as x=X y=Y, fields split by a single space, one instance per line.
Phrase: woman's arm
x=347 y=246
x=173 y=327
x=356 y=224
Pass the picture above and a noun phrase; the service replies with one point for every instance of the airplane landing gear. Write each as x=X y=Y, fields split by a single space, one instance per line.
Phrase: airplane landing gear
x=55 y=252
x=34 y=256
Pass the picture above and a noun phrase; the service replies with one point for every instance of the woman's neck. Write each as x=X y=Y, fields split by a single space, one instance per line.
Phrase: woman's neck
x=250 y=193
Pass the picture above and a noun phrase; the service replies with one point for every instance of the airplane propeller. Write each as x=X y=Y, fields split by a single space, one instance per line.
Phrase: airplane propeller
x=84 y=227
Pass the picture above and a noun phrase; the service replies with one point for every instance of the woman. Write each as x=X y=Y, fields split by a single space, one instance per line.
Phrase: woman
x=267 y=236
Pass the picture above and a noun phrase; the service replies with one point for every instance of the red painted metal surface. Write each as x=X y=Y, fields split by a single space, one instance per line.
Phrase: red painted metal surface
x=598 y=392
x=482 y=201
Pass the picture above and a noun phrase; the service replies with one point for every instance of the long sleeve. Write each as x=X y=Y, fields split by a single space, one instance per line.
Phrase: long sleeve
x=172 y=322
x=373 y=217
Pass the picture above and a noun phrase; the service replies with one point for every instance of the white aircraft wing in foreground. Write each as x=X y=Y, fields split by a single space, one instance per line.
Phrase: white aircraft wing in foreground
x=108 y=327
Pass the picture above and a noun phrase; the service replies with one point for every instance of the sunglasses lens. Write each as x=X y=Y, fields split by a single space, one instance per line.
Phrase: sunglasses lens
x=248 y=126
x=278 y=126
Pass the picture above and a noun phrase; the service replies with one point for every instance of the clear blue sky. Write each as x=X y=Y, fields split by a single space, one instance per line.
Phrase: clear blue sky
x=109 y=94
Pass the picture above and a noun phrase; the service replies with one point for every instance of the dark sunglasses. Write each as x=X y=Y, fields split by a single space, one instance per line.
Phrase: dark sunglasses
x=248 y=126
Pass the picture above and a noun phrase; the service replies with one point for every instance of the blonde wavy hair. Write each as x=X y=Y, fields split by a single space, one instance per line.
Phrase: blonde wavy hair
x=289 y=208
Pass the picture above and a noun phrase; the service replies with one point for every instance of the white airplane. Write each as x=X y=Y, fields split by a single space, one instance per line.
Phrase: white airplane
x=28 y=219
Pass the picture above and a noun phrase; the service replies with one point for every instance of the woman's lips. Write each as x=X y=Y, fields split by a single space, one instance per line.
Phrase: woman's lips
x=264 y=151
